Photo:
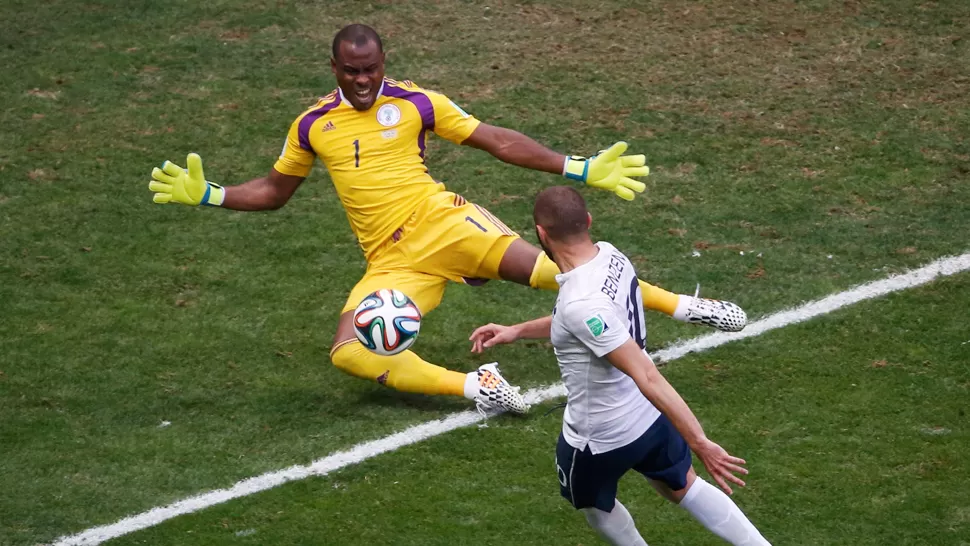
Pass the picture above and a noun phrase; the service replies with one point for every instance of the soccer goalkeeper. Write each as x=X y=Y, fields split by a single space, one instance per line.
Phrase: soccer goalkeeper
x=416 y=236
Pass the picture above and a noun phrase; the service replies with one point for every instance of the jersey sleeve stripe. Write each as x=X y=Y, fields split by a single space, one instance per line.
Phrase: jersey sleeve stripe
x=311 y=117
x=421 y=102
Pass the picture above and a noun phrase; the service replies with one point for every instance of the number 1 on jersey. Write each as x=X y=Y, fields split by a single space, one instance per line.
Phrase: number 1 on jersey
x=356 y=153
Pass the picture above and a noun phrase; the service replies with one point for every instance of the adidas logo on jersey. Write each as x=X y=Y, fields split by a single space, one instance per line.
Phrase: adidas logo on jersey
x=329 y=127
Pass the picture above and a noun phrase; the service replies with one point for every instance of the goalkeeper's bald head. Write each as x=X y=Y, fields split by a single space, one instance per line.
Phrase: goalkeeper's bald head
x=561 y=213
x=358 y=35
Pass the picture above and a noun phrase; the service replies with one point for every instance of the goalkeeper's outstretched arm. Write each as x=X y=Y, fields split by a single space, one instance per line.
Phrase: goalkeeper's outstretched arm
x=173 y=184
x=515 y=148
x=608 y=170
x=267 y=193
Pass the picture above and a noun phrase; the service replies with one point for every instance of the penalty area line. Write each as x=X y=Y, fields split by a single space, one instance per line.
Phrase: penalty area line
x=361 y=452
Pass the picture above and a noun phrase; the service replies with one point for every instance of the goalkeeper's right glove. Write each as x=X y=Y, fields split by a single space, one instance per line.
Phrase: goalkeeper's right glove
x=173 y=184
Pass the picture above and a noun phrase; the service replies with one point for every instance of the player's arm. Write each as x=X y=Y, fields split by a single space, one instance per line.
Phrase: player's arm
x=634 y=362
x=516 y=149
x=495 y=334
x=173 y=184
x=267 y=193
x=609 y=170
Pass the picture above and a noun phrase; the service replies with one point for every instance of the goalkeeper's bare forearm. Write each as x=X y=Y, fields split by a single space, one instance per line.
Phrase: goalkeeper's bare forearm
x=609 y=170
x=266 y=193
x=515 y=148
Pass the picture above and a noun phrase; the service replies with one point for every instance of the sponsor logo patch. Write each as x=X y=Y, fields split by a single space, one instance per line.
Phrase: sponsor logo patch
x=596 y=325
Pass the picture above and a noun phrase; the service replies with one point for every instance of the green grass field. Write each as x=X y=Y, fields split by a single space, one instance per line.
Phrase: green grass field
x=825 y=140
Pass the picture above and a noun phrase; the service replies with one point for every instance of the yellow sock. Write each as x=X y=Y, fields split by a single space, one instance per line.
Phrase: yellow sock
x=405 y=371
x=544 y=273
x=656 y=298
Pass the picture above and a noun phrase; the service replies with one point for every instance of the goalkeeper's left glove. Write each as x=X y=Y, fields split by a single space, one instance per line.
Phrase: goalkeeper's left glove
x=609 y=170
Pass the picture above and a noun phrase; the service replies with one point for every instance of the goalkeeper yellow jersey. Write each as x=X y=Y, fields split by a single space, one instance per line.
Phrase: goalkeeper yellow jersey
x=375 y=157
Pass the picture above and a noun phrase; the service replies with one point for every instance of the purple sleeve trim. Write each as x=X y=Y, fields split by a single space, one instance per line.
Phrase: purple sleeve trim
x=418 y=99
x=309 y=119
x=422 y=103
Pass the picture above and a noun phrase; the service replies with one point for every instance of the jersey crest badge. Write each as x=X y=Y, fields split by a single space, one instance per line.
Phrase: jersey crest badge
x=388 y=115
x=596 y=325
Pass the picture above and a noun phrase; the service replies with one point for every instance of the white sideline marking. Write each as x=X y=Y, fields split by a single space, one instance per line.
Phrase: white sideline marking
x=361 y=452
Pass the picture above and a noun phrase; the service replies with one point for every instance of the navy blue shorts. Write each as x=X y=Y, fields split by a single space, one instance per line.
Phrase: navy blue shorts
x=587 y=480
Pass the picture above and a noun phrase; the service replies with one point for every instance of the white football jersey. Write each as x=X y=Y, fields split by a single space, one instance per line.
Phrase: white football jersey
x=600 y=307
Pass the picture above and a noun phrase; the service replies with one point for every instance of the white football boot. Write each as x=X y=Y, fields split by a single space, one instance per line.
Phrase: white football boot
x=723 y=315
x=495 y=393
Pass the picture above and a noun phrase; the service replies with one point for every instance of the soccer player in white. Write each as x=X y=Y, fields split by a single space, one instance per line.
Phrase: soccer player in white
x=621 y=413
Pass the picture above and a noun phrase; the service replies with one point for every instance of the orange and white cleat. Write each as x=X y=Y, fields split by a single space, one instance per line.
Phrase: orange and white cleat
x=495 y=393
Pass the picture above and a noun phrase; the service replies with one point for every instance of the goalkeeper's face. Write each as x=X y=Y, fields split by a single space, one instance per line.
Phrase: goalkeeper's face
x=359 y=70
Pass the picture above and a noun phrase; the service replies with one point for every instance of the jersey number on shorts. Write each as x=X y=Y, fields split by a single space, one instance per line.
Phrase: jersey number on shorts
x=479 y=226
x=634 y=310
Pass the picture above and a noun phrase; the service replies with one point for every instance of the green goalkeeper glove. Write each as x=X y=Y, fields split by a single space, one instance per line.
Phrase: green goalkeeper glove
x=609 y=170
x=173 y=184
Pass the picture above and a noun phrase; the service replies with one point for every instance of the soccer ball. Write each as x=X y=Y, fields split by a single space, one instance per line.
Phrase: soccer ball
x=387 y=322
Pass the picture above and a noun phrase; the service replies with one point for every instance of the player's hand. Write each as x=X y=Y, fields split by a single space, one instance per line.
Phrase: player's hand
x=721 y=465
x=490 y=335
x=610 y=170
x=173 y=184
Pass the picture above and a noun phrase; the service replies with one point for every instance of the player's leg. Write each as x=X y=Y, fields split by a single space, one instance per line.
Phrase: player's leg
x=589 y=483
x=524 y=263
x=406 y=371
x=617 y=526
x=445 y=240
x=669 y=470
x=714 y=510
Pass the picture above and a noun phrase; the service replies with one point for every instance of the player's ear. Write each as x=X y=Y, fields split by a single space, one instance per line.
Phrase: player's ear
x=333 y=66
x=589 y=220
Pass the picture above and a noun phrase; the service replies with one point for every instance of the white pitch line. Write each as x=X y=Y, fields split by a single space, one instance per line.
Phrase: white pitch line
x=417 y=433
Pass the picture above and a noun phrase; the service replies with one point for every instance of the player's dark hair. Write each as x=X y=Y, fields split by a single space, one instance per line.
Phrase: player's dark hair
x=561 y=211
x=357 y=34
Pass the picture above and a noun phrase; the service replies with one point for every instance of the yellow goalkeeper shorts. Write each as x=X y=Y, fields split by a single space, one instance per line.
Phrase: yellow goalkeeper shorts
x=447 y=238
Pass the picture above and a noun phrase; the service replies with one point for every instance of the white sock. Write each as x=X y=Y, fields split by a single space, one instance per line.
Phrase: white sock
x=617 y=526
x=716 y=511
x=471 y=385
x=680 y=313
